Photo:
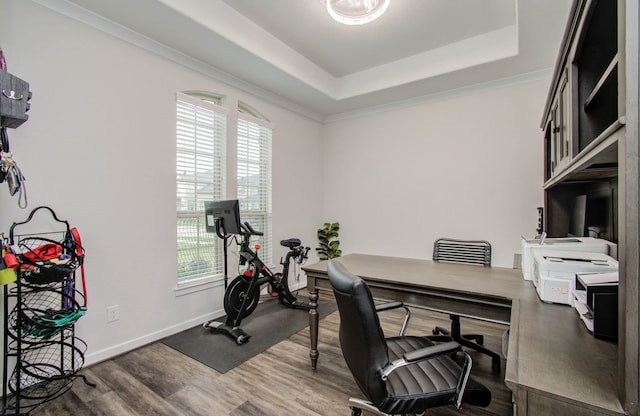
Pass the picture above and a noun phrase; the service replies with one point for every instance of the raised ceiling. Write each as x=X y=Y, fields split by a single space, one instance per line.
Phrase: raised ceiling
x=293 y=52
x=408 y=28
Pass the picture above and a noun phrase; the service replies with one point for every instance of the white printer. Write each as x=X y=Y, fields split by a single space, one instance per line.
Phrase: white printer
x=584 y=244
x=554 y=272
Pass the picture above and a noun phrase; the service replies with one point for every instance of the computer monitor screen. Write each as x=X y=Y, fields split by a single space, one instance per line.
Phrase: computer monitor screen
x=578 y=220
x=228 y=211
x=600 y=217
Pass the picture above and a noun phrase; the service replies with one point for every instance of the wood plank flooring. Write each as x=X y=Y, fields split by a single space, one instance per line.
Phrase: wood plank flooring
x=157 y=380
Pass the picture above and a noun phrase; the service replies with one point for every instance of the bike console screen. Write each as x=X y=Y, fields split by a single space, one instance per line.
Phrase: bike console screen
x=224 y=214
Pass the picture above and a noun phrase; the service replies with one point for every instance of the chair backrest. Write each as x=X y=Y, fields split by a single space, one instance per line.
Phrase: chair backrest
x=462 y=251
x=361 y=337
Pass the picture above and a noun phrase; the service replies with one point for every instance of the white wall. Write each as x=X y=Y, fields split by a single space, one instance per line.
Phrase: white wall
x=467 y=165
x=99 y=148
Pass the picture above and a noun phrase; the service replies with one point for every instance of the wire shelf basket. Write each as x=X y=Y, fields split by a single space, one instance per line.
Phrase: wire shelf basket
x=51 y=361
x=36 y=394
x=43 y=261
x=46 y=371
x=41 y=314
x=26 y=340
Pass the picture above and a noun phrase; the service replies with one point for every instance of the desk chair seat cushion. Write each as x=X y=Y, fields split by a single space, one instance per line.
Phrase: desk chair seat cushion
x=410 y=389
x=406 y=386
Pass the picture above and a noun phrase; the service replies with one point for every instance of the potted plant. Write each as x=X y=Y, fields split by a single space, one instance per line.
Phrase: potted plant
x=329 y=244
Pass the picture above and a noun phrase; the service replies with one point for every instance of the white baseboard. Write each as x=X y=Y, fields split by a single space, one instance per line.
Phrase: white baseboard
x=110 y=352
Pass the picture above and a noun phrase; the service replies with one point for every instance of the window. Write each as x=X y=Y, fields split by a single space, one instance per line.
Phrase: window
x=254 y=174
x=200 y=176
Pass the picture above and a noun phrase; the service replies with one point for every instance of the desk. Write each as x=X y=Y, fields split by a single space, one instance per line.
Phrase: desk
x=555 y=366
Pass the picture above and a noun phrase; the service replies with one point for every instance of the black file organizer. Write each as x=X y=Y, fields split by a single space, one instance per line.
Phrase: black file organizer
x=598 y=307
x=40 y=311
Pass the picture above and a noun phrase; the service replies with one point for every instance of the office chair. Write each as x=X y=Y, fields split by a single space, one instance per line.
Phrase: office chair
x=469 y=252
x=397 y=375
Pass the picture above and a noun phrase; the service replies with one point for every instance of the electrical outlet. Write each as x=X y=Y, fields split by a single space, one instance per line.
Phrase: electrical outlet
x=113 y=313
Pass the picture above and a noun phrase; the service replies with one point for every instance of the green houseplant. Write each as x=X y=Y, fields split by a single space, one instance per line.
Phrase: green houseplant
x=329 y=244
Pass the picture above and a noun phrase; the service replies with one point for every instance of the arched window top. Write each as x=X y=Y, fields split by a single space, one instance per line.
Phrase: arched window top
x=208 y=96
x=245 y=108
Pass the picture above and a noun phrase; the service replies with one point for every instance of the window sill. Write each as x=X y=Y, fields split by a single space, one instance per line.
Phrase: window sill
x=197 y=285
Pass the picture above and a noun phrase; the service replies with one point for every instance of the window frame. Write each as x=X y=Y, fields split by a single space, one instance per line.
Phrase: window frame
x=261 y=129
x=218 y=186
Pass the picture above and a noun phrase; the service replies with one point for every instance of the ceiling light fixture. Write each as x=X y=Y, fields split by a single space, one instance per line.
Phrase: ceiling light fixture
x=356 y=12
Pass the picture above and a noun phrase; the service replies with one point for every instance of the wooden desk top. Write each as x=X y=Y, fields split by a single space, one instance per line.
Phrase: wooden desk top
x=550 y=350
x=494 y=282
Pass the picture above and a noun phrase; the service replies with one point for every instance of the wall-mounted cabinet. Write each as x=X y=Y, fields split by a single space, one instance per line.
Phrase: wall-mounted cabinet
x=583 y=122
x=558 y=130
x=591 y=171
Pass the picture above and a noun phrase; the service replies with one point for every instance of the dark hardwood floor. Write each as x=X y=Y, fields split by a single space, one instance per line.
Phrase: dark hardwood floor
x=157 y=380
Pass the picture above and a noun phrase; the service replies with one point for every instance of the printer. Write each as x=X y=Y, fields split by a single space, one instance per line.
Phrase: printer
x=584 y=244
x=555 y=271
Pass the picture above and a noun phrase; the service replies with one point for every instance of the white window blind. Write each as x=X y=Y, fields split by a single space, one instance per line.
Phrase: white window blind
x=200 y=176
x=254 y=178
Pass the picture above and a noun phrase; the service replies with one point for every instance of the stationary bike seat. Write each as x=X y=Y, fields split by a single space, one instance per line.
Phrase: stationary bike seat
x=291 y=242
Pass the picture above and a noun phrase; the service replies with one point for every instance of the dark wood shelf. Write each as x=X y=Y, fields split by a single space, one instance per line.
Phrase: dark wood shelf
x=608 y=73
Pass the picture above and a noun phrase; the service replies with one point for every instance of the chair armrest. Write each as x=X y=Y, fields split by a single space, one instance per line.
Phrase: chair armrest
x=419 y=355
x=462 y=381
x=383 y=307
x=430 y=352
x=388 y=306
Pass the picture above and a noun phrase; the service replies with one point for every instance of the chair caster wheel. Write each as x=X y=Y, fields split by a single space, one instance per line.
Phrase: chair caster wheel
x=355 y=411
x=435 y=331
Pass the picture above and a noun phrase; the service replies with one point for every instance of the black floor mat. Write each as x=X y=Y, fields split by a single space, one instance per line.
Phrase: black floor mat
x=269 y=324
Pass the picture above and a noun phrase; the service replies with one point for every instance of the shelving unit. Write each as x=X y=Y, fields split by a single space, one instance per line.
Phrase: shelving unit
x=42 y=354
x=584 y=120
x=595 y=70
x=590 y=126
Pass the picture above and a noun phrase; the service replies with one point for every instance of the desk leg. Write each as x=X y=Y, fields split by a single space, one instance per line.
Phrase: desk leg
x=313 y=327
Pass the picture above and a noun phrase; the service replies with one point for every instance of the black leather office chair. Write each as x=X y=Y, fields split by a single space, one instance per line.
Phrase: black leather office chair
x=476 y=252
x=397 y=375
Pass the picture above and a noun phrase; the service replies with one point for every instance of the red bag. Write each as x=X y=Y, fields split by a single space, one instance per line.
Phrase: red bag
x=44 y=252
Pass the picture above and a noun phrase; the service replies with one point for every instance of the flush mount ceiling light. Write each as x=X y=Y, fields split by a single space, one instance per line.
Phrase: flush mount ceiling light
x=356 y=12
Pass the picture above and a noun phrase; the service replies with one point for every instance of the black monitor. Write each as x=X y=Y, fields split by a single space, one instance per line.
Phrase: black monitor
x=578 y=220
x=226 y=213
x=600 y=217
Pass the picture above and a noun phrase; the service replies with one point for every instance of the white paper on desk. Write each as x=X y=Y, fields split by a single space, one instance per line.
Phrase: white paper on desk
x=593 y=279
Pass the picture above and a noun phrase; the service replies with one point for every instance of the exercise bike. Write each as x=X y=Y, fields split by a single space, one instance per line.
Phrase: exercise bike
x=242 y=295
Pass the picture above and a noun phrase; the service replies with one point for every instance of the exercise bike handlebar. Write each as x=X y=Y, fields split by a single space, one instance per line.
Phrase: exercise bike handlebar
x=300 y=253
x=249 y=229
x=303 y=255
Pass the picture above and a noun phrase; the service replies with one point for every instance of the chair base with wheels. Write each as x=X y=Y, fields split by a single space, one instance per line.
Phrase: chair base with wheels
x=474 y=252
x=472 y=341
